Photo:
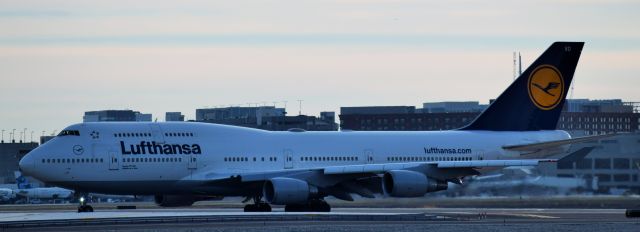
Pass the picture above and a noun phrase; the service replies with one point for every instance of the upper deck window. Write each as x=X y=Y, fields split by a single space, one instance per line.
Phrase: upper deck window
x=69 y=132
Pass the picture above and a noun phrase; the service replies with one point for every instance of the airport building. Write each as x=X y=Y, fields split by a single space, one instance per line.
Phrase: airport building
x=614 y=164
x=116 y=116
x=10 y=155
x=401 y=118
x=453 y=107
x=173 y=117
x=266 y=118
x=581 y=116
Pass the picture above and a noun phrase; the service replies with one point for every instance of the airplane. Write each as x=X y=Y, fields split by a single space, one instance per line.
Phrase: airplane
x=7 y=195
x=45 y=193
x=184 y=162
x=26 y=191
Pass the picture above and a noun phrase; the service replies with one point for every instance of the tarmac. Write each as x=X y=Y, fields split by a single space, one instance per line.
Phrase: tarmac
x=56 y=218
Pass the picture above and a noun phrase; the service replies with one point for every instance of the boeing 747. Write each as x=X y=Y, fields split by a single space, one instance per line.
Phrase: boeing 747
x=184 y=162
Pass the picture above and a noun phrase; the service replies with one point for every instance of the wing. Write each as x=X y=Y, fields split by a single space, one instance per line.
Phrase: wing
x=535 y=147
x=363 y=179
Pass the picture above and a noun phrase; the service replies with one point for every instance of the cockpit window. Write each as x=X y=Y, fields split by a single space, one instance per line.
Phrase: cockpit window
x=69 y=132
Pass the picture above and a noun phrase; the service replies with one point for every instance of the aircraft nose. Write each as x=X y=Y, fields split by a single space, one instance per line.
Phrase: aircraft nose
x=27 y=164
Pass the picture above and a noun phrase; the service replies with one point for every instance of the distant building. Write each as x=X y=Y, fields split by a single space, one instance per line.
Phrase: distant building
x=228 y=113
x=364 y=110
x=590 y=117
x=143 y=117
x=613 y=164
x=581 y=116
x=453 y=107
x=174 y=117
x=10 y=155
x=266 y=118
x=596 y=106
x=328 y=116
x=394 y=118
x=116 y=116
x=46 y=138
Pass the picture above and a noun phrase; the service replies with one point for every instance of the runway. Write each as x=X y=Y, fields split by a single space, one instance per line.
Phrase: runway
x=340 y=219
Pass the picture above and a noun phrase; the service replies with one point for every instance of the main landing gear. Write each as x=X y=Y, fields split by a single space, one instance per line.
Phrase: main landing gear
x=315 y=205
x=84 y=207
x=257 y=206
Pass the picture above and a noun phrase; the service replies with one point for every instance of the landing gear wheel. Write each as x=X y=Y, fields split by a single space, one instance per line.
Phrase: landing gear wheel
x=264 y=207
x=258 y=207
x=250 y=208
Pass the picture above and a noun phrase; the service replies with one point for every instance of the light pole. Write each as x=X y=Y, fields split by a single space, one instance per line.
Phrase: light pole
x=32 y=136
x=24 y=134
x=2 y=135
x=13 y=136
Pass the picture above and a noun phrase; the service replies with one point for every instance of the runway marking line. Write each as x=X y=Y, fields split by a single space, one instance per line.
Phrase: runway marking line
x=527 y=215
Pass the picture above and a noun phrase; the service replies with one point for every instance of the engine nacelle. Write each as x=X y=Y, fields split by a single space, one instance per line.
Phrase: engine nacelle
x=175 y=200
x=404 y=183
x=284 y=191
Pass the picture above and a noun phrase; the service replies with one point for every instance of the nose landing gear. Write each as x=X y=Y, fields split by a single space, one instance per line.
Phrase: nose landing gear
x=83 y=207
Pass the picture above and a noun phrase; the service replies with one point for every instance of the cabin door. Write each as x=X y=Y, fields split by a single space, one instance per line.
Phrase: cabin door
x=193 y=162
x=288 y=159
x=114 y=163
x=368 y=154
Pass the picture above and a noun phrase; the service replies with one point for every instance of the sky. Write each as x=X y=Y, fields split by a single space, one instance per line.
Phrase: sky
x=59 y=59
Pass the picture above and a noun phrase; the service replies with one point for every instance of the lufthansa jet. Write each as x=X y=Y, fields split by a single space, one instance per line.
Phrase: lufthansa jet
x=184 y=162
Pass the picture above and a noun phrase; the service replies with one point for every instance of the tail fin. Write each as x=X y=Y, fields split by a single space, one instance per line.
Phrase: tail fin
x=534 y=100
x=21 y=181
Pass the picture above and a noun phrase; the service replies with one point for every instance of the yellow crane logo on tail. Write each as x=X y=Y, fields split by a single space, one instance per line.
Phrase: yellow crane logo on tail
x=546 y=87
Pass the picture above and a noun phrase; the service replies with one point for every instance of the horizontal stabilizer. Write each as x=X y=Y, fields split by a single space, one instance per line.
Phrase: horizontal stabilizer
x=577 y=155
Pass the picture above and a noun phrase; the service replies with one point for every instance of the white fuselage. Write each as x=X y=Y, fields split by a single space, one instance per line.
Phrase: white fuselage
x=45 y=193
x=7 y=194
x=157 y=158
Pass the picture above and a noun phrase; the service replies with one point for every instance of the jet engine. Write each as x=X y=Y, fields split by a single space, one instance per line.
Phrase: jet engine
x=284 y=191
x=404 y=183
